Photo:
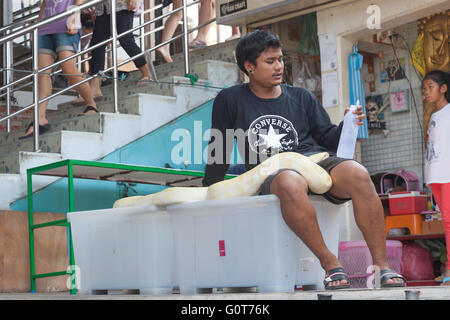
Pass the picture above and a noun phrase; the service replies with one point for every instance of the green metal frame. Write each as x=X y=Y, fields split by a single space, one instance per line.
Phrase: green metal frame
x=70 y=163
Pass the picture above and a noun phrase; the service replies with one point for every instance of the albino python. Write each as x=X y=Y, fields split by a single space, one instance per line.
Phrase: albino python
x=247 y=184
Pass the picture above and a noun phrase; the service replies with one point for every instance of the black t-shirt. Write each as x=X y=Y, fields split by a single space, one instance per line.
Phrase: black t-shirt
x=295 y=122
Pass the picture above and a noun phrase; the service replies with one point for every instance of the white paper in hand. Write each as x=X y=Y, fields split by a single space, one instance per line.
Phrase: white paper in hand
x=73 y=21
x=347 y=141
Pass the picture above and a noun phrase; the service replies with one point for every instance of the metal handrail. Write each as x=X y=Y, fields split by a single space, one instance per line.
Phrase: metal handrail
x=87 y=35
x=49 y=20
x=118 y=37
x=81 y=61
x=9 y=54
x=109 y=40
x=23 y=10
x=107 y=50
x=20 y=21
x=34 y=29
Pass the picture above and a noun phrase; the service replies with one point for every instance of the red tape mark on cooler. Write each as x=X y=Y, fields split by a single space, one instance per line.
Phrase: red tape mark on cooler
x=222 y=248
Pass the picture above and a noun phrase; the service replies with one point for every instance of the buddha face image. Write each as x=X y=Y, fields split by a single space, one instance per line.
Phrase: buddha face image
x=436 y=42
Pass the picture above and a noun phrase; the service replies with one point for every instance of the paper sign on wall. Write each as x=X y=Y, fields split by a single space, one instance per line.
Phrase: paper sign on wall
x=330 y=92
x=328 y=53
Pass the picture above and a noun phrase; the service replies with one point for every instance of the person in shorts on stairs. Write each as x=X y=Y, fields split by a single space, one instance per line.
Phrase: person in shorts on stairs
x=279 y=118
x=58 y=40
x=169 y=28
x=126 y=10
x=207 y=12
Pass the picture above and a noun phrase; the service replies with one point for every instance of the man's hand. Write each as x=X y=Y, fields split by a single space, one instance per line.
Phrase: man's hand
x=360 y=115
x=131 y=5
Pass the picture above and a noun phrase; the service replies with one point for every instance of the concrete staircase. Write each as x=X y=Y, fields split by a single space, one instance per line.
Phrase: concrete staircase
x=142 y=109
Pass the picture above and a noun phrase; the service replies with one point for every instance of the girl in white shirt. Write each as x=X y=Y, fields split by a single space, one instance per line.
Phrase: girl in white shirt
x=436 y=89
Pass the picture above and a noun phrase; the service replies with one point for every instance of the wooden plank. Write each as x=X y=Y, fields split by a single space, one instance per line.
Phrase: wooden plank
x=50 y=250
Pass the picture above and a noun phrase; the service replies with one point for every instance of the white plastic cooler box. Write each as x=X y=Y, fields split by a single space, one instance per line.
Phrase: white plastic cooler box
x=123 y=248
x=244 y=242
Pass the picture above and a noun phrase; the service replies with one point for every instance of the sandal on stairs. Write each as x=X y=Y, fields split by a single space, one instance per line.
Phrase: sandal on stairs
x=87 y=109
x=42 y=129
x=197 y=44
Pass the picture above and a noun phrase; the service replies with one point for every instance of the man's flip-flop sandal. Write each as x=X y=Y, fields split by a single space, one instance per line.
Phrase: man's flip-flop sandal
x=87 y=109
x=197 y=44
x=335 y=275
x=42 y=129
x=445 y=280
x=387 y=274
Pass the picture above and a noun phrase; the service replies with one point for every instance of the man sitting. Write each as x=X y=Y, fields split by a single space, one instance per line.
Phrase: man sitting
x=279 y=118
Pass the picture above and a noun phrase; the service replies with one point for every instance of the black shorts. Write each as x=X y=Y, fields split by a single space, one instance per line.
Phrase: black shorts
x=328 y=164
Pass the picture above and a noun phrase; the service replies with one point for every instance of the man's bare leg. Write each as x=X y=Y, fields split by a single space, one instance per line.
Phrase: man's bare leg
x=299 y=214
x=352 y=180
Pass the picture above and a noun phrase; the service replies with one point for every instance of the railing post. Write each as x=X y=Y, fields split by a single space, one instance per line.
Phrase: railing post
x=186 y=39
x=33 y=30
x=114 y=55
x=142 y=30
x=36 y=89
x=8 y=78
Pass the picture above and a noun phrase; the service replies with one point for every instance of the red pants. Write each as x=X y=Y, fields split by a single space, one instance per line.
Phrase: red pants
x=441 y=193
